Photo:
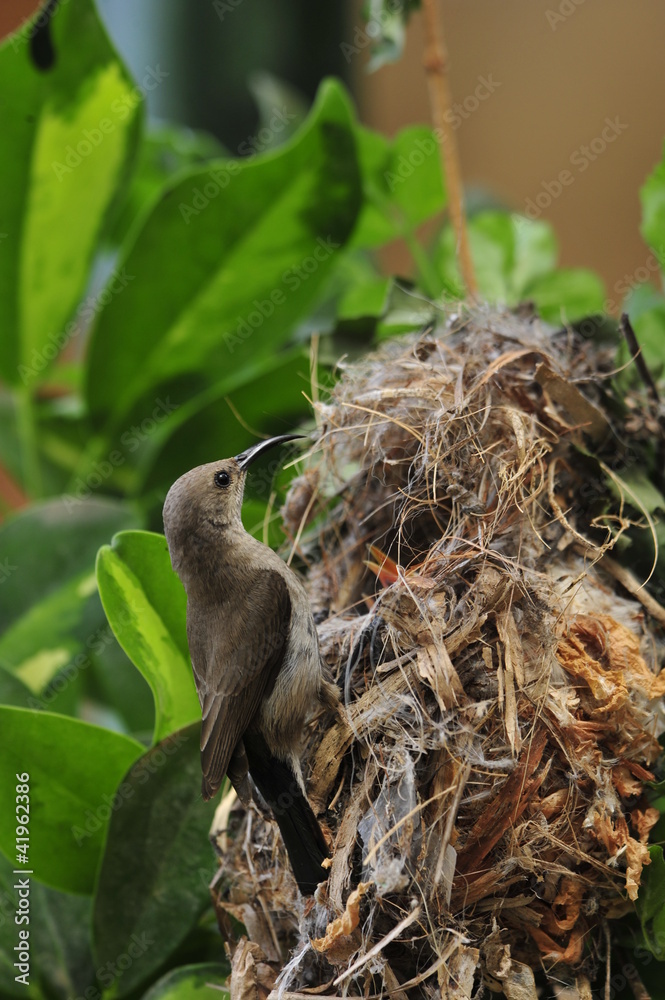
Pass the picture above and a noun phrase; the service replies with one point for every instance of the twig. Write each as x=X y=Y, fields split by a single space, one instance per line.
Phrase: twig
x=637 y=987
x=390 y=936
x=436 y=67
x=638 y=357
x=630 y=582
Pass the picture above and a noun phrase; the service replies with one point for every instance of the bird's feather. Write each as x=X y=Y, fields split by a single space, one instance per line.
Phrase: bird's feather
x=237 y=649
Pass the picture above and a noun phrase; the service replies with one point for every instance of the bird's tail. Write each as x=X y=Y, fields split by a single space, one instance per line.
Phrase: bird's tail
x=301 y=833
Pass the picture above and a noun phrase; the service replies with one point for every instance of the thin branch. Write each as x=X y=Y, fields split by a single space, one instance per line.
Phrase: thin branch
x=436 y=67
x=637 y=356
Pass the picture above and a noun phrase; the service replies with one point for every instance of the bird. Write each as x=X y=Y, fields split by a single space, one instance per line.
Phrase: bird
x=255 y=654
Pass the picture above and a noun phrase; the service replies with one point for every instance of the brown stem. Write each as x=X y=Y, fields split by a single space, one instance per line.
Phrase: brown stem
x=436 y=67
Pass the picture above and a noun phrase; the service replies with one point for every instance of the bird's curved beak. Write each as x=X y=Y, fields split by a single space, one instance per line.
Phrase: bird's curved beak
x=246 y=458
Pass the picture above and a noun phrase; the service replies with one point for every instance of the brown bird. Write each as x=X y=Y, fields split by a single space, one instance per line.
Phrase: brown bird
x=254 y=650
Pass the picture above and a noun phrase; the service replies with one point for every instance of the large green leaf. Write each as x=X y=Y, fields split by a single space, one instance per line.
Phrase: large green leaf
x=74 y=771
x=153 y=882
x=165 y=151
x=229 y=259
x=146 y=607
x=68 y=132
x=402 y=183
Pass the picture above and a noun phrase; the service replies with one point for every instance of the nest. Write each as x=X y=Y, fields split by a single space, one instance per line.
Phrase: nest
x=483 y=790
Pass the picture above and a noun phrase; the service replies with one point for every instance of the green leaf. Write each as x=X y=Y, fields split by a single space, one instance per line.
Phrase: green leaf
x=535 y=253
x=146 y=606
x=9 y=901
x=153 y=882
x=251 y=256
x=46 y=637
x=13 y=691
x=633 y=486
x=406 y=310
x=365 y=298
x=402 y=184
x=198 y=982
x=115 y=682
x=51 y=543
x=492 y=240
x=270 y=402
x=649 y=329
x=385 y=27
x=567 y=295
x=164 y=151
x=74 y=771
x=510 y=254
x=651 y=903
x=60 y=939
x=652 y=196
x=68 y=136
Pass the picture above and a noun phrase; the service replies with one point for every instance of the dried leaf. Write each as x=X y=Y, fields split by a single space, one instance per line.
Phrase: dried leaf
x=346 y=924
x=456 y=976
x=251 y=977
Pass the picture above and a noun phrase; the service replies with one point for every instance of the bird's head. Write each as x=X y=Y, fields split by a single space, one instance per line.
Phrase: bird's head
x=208 y=499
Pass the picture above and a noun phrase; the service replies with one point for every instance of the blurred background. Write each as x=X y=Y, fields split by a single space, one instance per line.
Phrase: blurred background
x=544 y=86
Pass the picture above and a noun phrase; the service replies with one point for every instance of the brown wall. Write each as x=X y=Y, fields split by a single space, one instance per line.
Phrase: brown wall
x=13 y=13
x=561 y=76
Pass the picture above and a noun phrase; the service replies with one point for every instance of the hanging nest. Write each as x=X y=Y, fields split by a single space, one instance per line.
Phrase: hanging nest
x=483 y=789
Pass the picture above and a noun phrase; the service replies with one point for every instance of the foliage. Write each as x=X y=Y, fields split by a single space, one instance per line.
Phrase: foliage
x=153 y=287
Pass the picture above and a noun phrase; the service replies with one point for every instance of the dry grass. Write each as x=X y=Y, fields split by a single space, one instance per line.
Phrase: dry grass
x=483 y=791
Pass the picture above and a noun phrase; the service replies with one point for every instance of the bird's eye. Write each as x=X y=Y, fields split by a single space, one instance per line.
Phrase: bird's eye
x=222 y=479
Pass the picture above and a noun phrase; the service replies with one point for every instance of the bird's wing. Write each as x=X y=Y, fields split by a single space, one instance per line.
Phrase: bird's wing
x=236 y=656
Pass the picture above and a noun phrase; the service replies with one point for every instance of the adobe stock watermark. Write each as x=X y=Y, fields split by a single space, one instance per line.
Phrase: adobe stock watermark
x=6 y=569
x=141 y=773
x=87 y=309
x=95 y=643
x=110 y=972
x=220 y=176
x=564 y=11
x=424 y=148
x=371 y=31
x=224 y=7
x=581 y=159
x=653 y=265
x=27 y=28
x=131 y=440
x=120 y=109
x=292 y=279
